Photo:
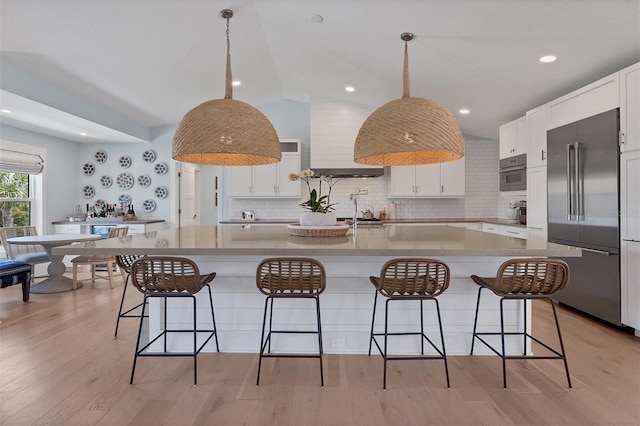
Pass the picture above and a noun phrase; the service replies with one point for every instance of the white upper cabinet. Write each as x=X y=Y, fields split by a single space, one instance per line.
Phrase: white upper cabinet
x=630 y=108
x=432 y=180
x=599 y=96
x=268 y=180
x=514 y=138
x=537 y=127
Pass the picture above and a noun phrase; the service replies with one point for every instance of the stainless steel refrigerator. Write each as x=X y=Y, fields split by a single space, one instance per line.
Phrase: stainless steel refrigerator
x=583 y=206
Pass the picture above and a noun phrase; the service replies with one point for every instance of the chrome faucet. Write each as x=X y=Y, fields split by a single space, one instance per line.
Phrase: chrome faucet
x=355 y=212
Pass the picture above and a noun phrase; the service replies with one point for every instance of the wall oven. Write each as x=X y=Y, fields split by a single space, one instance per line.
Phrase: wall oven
x=513 y=173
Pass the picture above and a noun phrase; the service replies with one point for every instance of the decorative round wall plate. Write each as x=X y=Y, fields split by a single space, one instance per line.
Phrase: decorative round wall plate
x=88 y=169
x=125 y=161
x=161 y=168
x=161 y=192
x=149 y=156
x=100 y=157
x=144 y=180
x=125 y=181
x=100 y=204
x=106 y=181
x=124 y=200
x=149 y=205
x=88 y=191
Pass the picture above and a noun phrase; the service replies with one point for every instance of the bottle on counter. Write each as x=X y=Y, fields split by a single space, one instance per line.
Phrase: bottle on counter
x=392 y=211
x=383 y=214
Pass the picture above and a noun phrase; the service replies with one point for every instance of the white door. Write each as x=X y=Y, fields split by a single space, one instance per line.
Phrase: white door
x=428 y=180
x=453 y=178
x=189 y=204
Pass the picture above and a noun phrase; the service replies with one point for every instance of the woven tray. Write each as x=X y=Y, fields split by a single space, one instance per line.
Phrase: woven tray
x=318 y=231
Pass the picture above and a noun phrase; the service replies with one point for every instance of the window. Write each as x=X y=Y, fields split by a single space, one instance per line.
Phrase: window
x=15 y=199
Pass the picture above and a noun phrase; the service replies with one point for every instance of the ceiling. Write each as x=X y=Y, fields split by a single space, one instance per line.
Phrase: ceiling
x=116 y=69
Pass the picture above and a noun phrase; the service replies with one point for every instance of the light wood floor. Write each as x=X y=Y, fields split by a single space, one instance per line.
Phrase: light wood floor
x=59 y=364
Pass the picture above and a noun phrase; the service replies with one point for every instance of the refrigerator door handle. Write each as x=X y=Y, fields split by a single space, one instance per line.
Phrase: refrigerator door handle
x=602 y=252
x=579 y=187
x=569 y=184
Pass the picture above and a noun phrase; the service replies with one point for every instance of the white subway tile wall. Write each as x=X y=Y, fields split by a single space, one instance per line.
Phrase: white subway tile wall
x=481 y=200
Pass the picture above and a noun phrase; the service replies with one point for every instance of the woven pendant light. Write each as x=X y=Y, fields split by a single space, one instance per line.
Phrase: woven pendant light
x=409 y=131
x=225 y=131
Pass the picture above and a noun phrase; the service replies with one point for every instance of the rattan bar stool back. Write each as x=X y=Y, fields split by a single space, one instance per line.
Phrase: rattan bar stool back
x=522 y=280
x=172 y=277
x=278 y=278
x=416 y=279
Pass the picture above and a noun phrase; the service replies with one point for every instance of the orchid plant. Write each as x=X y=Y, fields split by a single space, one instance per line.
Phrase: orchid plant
x=316 y=202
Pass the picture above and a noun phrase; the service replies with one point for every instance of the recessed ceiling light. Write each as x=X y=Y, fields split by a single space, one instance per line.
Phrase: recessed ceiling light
x=236 y=83
x=464 y=111
x=6 y=111
x=547 y=59
x=314 y=17
x=350 y=89
x=83 y=134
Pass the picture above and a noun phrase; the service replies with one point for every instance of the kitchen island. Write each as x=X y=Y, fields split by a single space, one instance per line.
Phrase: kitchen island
x=233 y=251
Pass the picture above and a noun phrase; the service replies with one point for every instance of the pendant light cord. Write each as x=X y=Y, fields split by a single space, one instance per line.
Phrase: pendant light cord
x=406 y=85
x=228 y=92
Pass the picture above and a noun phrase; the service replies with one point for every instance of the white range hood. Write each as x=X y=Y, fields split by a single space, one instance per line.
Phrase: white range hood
x=334 y=128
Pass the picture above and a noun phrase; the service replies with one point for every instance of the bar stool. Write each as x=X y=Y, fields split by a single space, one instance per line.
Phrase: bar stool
x=524 y=279
x=171 y=277
x=289 y=278
x=410 y=279
x=124 y=263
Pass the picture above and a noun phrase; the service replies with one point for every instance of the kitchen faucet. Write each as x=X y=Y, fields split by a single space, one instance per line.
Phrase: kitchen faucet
x=355 y=212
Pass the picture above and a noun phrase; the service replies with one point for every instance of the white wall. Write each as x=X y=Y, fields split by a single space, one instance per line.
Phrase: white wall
x=60 y=180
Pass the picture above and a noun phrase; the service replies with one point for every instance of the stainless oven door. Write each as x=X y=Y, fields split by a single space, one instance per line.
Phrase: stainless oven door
x=513 y=179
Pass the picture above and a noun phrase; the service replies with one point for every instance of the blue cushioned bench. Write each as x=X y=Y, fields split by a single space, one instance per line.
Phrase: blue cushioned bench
x=12 y=273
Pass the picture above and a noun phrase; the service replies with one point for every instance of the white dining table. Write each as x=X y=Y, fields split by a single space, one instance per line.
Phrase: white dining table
x=55 y=282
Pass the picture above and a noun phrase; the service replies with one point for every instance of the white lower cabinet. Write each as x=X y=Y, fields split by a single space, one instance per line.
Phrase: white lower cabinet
x=630 y=283
x=491 y=228
x=537 y=199
x=506 y=230
x=69 y=229
x=476 y=226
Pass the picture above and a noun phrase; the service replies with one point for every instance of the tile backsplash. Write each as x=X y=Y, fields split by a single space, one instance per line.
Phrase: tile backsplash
x=481 y=200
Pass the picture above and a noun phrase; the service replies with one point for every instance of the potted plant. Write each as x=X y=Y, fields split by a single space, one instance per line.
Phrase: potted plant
x=320 y=209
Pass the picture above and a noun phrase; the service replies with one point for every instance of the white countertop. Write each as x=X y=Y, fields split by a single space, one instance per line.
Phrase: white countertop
x=271 y=240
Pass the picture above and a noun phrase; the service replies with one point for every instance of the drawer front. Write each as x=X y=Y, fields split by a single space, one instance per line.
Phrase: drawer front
x=136 y=229
x=67 y=229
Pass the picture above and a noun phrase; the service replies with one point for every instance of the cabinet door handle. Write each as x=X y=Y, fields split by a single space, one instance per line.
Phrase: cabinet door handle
x=442 y=189
x=512 y=232
x=544 y=155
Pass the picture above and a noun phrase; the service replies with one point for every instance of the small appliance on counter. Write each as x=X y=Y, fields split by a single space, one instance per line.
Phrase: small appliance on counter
x=522 y=212
x=248 y=215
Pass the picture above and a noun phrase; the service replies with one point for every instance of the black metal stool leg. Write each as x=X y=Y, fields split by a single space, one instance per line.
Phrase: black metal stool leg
x=135 y=357
x=386 y=332
x=524 y=325
x=422 y=328
x=373 y=321
x=195 y=341
x=319 y=339
x=564 y=355
x=213 y=319
x=444 y=351
x=270 y=326
x=475 y=321
x=262 y=341
x=504 y=353
x=124 y=292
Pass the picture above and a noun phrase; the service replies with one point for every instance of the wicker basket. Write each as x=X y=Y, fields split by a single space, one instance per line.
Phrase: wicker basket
x=318 y=231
